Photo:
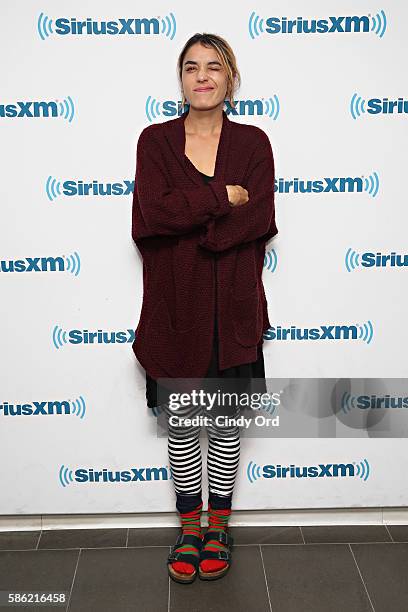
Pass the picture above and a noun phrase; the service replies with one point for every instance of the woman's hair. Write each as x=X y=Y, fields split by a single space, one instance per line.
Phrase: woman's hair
x=226 y=56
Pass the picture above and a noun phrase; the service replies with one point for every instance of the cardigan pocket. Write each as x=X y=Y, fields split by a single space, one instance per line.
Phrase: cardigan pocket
x=173 y=350
x=160 y=318
x=246 y=313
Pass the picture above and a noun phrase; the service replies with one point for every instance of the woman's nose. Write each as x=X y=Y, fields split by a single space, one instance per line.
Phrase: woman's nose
x=201 y=74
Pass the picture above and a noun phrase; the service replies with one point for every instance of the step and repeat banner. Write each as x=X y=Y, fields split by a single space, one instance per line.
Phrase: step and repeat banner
x=79 y=82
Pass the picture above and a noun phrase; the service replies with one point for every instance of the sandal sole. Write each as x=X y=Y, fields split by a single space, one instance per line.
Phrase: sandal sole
x=213 y=575
x=182 y=578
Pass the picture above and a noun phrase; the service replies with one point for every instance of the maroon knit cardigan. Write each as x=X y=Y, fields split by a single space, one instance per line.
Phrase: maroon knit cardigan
x=183 y=228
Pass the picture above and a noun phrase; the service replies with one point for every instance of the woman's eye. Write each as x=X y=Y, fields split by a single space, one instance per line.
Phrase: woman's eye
x=192 y=68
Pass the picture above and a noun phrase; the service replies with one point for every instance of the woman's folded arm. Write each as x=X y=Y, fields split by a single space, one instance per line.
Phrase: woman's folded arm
x=168 y=210
x=254 y=219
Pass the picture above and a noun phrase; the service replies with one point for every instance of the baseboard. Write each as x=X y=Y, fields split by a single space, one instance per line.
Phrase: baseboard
x=239 y=518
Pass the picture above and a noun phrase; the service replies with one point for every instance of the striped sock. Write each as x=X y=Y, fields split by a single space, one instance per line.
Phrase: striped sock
x=190 y=523
x=217 y=521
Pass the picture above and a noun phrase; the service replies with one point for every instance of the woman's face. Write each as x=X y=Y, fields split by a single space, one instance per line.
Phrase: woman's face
x=202 y=69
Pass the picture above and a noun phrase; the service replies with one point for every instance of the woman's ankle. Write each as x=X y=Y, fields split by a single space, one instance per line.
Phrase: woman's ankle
x=190 y=525
x=219 y=512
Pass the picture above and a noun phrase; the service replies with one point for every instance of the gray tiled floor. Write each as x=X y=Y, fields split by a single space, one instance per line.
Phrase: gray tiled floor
x=275 y=569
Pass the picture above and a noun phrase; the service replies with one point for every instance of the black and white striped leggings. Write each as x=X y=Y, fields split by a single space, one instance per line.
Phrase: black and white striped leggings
x=185 y=458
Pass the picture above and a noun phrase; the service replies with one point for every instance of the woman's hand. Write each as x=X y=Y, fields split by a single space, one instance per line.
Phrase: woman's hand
x=237 y=195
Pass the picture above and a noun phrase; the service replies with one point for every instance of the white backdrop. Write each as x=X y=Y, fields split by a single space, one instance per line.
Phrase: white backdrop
x=71 y=109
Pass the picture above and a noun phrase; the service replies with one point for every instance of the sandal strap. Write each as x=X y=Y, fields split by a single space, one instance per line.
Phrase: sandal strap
x=185 y=557
x=224 y=555
x=220 y=536
x=188 y=538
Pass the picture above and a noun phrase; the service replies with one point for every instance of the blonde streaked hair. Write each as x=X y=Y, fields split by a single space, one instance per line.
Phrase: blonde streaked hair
x=227 y=59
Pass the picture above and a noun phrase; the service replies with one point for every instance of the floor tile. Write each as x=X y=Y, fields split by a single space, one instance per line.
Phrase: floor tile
x=314 y=578
x=321 y=573
x=161 y=536
x=121 y=580
x=266 y=535
x=166 y=536
x=18 y=540
x=384 y=568
x=243 y=588
x=345 y=533
x=37 y=570
x=82 y=538
x=399 y=533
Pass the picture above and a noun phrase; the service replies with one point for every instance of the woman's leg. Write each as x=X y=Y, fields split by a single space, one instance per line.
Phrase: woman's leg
x=185 y=460
x=222 y=463
x=222 y=466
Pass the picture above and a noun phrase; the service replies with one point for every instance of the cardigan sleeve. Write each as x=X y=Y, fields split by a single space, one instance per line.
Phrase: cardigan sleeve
x=168 y=210
x=256 y=218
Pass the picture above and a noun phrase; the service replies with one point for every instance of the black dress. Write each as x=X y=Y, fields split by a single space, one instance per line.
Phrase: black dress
x=245 y=371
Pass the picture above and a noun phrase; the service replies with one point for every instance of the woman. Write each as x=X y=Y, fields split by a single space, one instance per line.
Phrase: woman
x=203 y=209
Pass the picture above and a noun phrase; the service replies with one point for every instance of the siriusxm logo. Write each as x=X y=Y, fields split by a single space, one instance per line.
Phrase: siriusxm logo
x=55 y=188
x=372 y=402
x=271 y=260
x=158 y=26
x=353 y=260
x=349 y=184
x=324 y=332
x=377 y=24
x=263 y=107
x=53 y=109
x=64 y=263
x=355 y=469
x=84 y=336
x=377 y=106
x=67 y=476
x=75 y=407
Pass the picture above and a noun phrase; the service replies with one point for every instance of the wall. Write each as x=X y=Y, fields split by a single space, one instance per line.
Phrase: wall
x=71 y=109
